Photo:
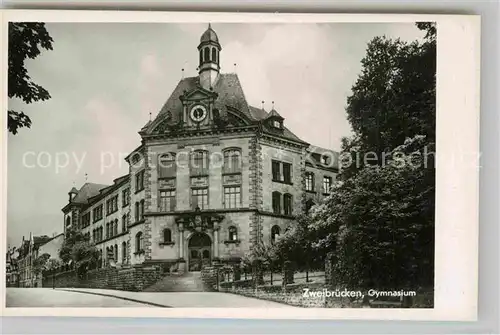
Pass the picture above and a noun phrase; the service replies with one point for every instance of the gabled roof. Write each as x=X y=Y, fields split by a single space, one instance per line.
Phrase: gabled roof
x=227 y=87
x=260 y=114
x=274 y=113
x=87 y=191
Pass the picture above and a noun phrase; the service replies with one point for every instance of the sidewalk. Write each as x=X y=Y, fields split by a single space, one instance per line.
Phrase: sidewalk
x=183 y=299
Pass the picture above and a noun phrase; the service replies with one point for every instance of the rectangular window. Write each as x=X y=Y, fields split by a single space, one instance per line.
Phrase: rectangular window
x=167 y=201
x=97 y=213
x=287 y=204
x=309 y=181
x=232 y=197
x=276 y=203
x=327 y=184
x=287 y=173
x=137 y=214
x=199 y=163
x=200 y=198
x=141 y=216
x=166 y=166
x=139 y=181
x=125 y=197
x=232 y=161
x=276 y=171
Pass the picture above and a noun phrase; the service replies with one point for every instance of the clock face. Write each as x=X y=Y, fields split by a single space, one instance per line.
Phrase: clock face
x=198 y=113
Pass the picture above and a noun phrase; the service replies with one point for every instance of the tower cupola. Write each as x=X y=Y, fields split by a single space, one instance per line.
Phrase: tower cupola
x=209 y=54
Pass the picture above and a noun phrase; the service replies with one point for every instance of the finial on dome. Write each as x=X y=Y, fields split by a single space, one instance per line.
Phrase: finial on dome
x=209 y=25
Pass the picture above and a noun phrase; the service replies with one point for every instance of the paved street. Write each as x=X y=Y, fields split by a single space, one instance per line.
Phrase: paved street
x=47 y=297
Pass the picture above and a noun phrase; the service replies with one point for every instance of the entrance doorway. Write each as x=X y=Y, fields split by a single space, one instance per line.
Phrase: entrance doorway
x=200 y=248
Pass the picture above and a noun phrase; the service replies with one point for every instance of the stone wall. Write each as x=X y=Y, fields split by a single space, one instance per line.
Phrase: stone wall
x=127 y=279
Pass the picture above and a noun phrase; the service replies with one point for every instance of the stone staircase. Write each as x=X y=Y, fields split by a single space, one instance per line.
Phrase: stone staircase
x=186 y=282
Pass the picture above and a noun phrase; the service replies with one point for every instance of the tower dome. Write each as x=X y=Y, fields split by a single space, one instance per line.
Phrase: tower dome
x=209 y=35
x=209 y=53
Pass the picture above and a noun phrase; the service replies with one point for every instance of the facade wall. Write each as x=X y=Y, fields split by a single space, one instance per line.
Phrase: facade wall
x=274 y=151
x=318 y=193
x=52 y=247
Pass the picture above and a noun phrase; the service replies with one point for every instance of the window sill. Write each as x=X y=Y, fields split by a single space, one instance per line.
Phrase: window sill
x=232 y=242
x=311 y=191
x=140 y=252
x=228 y=173
x=326 y=194
x=282 y=182
x=167 y=243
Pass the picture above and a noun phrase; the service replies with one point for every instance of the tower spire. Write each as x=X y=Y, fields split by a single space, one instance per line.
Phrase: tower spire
x=209 y=54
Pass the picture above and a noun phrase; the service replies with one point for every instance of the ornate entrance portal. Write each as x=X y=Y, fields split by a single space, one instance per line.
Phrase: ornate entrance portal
x=199 y=251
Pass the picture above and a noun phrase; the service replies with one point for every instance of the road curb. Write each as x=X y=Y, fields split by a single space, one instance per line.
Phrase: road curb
x=116 y=296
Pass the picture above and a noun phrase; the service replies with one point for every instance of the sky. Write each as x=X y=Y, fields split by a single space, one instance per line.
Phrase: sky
x=106 y=78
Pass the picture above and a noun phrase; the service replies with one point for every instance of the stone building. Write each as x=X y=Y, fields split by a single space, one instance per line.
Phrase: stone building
x=212 y=177
x=28 y=253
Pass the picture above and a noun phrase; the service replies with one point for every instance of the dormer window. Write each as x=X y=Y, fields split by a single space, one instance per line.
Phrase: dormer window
x=324 y=159
x=277 y=124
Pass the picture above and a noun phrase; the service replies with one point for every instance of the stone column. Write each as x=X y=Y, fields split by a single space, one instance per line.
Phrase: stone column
x=216 y=241
x=182 y=261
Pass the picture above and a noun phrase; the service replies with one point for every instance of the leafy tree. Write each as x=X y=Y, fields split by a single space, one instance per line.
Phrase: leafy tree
x=26 y=39
x=40 y=263
x=296 y=244
x=53 y=264
x=379 y=218
x=380 y=223
x=78 y=249
x=394 y=97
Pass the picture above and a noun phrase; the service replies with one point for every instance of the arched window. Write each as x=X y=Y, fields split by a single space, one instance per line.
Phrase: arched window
x=101 y=233
x=232 y=160
x=287 y=204
x=116 y=227
x=107 y=230
x=309 y=204
x=206 y=56
x=199 y=163
x=167 y=235
x=214 y=55
x=138 y=242
x=233 y=233
x=275 y=232
x=68 y=221
x=201 y=57
x=166 y=165
x=276 y=202
x=116 y=253
x=124 y=252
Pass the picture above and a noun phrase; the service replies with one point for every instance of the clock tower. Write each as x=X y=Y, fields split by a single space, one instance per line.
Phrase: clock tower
x=209 y=54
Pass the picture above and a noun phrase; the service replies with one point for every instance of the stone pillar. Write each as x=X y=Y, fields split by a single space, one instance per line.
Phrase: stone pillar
x=181 y=268
x=216 y=241
x=287 y=273
x=181 y=241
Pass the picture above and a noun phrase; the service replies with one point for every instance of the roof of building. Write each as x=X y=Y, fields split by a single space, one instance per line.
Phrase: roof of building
x=230 y=96
x=209 y=35
x=87 y=191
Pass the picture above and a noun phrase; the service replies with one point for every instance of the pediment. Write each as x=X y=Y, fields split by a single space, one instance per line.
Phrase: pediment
x=198 y=94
